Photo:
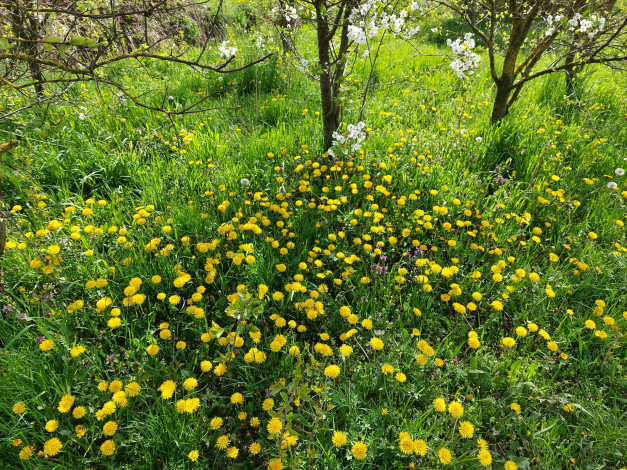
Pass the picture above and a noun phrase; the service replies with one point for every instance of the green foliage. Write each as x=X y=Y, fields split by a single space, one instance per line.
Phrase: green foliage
x=272 y=285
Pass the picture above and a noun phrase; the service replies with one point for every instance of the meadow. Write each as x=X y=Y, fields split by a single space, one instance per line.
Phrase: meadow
x=218 y=291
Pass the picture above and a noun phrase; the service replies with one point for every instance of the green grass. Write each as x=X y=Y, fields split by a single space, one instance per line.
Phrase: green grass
x=429 y=143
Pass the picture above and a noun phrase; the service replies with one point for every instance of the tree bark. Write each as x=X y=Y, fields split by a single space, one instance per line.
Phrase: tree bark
x=520 y=29
x=3 y=236
x=27 y=27
x=500 y=109
x=571 y=73
x=332 y=72
x=330 y=110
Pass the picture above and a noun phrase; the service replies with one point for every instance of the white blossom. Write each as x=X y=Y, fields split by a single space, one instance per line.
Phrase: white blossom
x=591 y=26
x=465 y=61
x=354 y=137
x=226 y=51
x=356 y=34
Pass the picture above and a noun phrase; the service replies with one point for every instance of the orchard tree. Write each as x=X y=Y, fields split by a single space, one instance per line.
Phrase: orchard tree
x=48 y=46
x=345 y=31
x=540 y=37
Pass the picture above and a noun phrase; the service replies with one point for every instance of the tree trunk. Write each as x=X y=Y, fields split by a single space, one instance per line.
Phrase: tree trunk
x=27 y=27
x=501 y=101
x=471 y=12
x=504 y=84
x=285 y=44
x=330 y=110
x=571 y=74
x=3 y=236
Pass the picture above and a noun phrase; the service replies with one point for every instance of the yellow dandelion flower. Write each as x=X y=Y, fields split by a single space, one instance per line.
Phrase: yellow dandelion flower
x=339 y=439
x=445 y=456
x=53 y=446
x=359 y=450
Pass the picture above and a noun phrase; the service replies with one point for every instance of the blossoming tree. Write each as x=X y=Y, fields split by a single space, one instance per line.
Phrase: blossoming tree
x=46 y=47
x=540 y=37
x=346 y=31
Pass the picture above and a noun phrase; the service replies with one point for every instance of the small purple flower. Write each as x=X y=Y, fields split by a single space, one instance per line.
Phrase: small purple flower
x=7 y=308
x=111 y=358
x=21 y=316
x=39 y=339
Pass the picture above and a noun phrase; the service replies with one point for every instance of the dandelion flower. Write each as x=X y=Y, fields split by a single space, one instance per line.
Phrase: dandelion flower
x=339 y=439
x=456 y=409
x=400 y=377
x=193 y=455
x=359 y=450
x=332 y=371
x=466 y=429
x=65 y=404
x=223 y=441
x=274 y=426
x=485 y=458
x=439 y=404
x=406 y=445
x=109 y=428
x=26 y=453
x=237 y=399
x=190 y=384
x=255 y=448
x=445 y=456
x=19 y=408
x=497 y=305
x=46 y=345
x=275 y=464
x=52 y=447
x=107 y=447
x=376 y=344
x=52 y=425
x=420 y=447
